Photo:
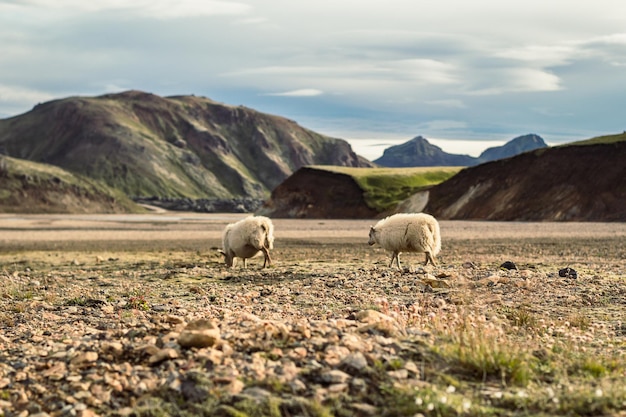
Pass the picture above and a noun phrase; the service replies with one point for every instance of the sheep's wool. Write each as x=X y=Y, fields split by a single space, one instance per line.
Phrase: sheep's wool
x=247 y=237
x=408 y=232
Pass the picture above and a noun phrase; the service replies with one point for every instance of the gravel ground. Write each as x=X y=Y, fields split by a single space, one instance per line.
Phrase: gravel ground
x=136 y=315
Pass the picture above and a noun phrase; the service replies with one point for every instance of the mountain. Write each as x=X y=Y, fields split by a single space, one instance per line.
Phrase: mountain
x=175 y=147
x=514 y=147
x=30 y=187
x=419 y=152
x=581 y=181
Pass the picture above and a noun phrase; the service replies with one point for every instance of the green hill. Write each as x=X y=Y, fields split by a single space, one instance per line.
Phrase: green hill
x=30 y=187
x=179 y=147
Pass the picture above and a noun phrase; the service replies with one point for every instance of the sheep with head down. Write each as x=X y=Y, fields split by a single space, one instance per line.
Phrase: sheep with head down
x=408 y=232
x=246 y=239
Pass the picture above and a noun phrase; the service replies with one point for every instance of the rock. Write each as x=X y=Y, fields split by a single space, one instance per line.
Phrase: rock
x=355 y=361
x=255 y=394
x=508 y=265
x=162 y=355
x=434 y=282
x=364 y=409
x=84 y=358
x=399 y=374
x=334 y=376
x=371 y=316
x=297 y=386
x=568 y=273
x=199 y=334
x=335 y=354
x=385 y=328
x=115 y=348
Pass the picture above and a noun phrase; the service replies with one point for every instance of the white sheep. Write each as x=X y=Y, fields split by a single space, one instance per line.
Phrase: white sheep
x=408 y=232
x=247 y=238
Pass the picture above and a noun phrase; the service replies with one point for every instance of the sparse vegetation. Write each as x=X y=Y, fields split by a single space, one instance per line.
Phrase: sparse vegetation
x=41 y=188
x=607 y=139
x=527 y=343
x=384 y=188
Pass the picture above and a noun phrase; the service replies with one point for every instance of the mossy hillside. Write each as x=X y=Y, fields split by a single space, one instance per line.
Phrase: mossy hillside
x=599 y=140
x=38 y=187
x=179 y=147
x=384 y=188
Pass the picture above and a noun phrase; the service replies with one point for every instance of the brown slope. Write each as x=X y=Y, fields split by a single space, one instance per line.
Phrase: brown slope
x=569 y=183
x=185 y=146
x=318 y=194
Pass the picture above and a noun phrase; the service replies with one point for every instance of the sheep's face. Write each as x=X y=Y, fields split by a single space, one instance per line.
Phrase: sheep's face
x=372 y=240
x=228 y=258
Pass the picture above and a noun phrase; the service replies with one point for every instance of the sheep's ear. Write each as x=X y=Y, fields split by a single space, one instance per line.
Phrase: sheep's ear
x=222 y=252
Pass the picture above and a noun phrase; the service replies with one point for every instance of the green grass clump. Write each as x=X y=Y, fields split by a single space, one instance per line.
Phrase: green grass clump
x=606 y=139
x=384 y=188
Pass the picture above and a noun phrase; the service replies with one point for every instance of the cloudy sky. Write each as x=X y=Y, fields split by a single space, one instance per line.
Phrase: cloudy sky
x=464 y=74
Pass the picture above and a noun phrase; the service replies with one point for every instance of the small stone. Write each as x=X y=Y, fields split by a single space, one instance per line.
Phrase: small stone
x=365 y=409
x=335 y=354
x=434 y=282
x=568 y=273
x=297 y=385
x=335 y=376
x=399 y=374
x=235 y=387
x=174 y=319
x=87 y=413
x=116 y=348
x=199 y=334
x=162 y=355
x=337 y=388
x=355 y=361
x=83 y=358
x=508 y=265
x=371 y=316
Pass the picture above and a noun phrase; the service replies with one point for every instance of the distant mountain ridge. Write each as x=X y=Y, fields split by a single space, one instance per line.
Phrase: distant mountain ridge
x=420 y=152
x=176 y=147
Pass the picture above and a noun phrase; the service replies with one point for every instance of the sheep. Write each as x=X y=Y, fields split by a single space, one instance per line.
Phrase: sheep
x=408 y=232
x=246 y=238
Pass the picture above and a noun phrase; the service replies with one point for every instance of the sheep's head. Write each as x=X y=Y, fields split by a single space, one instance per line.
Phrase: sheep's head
x=372 y=236
x=228 y=259
x=268 y=242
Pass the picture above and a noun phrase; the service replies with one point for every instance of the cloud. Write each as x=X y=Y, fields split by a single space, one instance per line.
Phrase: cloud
x=161 y=9
x=388 y=67
x=516 y=80
x=442 y=125
x=448 y=103
x=542 y=55
x=304 y=92
x=16 y=99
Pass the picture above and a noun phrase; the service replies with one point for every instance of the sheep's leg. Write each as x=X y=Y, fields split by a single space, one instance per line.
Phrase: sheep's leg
x=395 y=256
x=431 y=258
x=245 y=265
x=267 y=259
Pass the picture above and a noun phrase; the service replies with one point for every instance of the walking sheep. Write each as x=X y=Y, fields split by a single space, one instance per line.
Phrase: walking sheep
x=247 y=238
x=408 y=232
